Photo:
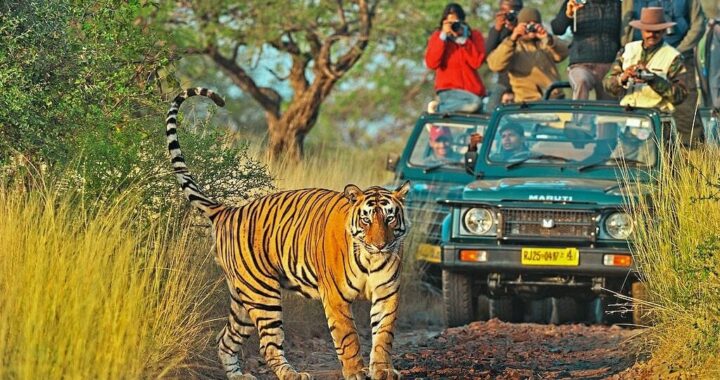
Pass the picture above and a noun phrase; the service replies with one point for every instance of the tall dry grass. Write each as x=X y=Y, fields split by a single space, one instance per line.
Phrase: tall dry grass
x=91 y=293
x=677 y=249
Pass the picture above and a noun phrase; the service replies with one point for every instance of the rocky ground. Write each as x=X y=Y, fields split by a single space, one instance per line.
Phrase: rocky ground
x=481 y=350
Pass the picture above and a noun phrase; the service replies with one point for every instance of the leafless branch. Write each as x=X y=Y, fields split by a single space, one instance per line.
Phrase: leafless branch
x=343 y=21
x=268 y=98
x=276 y=75
x=349 y=59
x=236 y=49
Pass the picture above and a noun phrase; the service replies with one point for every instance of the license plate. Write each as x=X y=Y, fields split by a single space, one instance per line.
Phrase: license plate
x=428 y=252
x=550 y=256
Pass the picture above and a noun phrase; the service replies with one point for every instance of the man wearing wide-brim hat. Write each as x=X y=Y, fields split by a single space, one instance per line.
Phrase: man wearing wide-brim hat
x=648 y=73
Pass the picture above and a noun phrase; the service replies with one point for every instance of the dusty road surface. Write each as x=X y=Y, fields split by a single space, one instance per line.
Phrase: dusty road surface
x=481 y=350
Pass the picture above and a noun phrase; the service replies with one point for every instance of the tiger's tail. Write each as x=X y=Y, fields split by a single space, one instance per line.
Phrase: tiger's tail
x=192 y=192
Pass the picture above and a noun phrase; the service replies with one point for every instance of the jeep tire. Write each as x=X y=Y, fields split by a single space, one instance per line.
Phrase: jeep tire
x=458 y=298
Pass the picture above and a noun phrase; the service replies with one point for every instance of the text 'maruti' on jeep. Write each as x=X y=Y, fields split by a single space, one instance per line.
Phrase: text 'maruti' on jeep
x=542 y=234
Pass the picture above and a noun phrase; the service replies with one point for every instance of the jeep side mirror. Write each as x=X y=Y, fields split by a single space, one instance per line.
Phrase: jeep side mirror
x=391 y=162
x=470 y=161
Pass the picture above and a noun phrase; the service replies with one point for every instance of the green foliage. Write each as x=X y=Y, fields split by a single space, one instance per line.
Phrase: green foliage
x=69 y=66
x=81 y=81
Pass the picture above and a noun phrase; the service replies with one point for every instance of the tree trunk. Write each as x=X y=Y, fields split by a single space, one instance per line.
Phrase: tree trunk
x=287 y=133
x=284 y=141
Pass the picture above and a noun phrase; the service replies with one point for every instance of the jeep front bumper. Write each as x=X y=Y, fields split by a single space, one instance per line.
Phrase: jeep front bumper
x=507 y=259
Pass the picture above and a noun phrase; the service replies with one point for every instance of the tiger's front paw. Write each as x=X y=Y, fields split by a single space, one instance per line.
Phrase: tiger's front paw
x=298 y=376
x=241 y=376
x=384 y=373
x=362 y=375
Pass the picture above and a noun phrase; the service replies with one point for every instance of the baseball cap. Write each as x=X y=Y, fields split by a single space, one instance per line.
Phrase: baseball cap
x=438 y=132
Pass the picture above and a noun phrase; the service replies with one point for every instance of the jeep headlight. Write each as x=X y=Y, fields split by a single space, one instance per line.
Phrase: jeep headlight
x=478 y=221
x=619 y=225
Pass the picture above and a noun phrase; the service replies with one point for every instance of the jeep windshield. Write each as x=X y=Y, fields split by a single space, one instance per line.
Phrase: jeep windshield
x=580 y=139
x=443 y=145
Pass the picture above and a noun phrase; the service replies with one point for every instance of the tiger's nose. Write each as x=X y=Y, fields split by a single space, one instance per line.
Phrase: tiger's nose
x=380 y=246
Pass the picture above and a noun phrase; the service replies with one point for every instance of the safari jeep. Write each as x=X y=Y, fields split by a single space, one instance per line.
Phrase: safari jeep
x=433 y=161
x=541 y=232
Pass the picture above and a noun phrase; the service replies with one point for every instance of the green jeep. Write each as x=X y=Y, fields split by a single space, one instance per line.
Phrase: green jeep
x=433 y=160
x=542 y=233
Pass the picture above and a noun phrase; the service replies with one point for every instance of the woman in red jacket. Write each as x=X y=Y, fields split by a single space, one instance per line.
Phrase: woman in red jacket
x=455 y=52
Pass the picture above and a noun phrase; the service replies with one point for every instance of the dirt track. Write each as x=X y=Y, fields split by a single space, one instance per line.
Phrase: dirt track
x=482 y=350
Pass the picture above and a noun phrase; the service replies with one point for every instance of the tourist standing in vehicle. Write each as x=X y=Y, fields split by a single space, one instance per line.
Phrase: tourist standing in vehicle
x=595 y=25
x=650 y=72
x=505 y=21
x=689 y=19
x=455 y=52
x=529 y=55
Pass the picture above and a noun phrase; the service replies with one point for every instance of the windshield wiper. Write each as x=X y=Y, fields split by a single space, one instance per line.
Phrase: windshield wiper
x=538 y=157
x=442 y=165
x=615 y=160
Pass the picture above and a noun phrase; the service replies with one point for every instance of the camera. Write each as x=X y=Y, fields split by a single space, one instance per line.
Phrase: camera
x=511 y=16
x=645 y=75
x=457 y=27
x=531 y=28
x=580 y=2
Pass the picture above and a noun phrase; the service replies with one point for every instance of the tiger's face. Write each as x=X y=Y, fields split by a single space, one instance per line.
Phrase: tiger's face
x=377 y=220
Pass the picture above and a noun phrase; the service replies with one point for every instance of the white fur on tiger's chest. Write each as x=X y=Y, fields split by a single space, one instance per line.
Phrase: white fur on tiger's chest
x=381 y=268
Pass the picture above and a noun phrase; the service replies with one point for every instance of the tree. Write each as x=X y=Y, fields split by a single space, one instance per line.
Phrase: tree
x=321 y=41
x=264 y=46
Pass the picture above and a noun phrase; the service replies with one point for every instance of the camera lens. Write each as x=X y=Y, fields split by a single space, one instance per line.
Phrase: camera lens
x=456 y=27
x=511 y=16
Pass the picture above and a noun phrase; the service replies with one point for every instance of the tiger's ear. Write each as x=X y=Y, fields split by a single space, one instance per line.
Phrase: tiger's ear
x=352 y=193
x=402 y=191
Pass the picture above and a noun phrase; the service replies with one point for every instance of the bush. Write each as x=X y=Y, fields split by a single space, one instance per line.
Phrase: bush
x=82 y=99
x=677 y=242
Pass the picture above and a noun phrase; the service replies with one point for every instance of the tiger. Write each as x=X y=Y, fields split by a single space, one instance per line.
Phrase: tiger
x=322 y=244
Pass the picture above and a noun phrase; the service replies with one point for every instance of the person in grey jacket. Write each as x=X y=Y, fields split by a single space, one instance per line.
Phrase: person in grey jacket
x=595 y=25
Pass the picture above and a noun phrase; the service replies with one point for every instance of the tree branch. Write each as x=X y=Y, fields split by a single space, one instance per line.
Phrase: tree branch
x=300 y=61
x=349 y=59
x=268 y=98
x=343 y=21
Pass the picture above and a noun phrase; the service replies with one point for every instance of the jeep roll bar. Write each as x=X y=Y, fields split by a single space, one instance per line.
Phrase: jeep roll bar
x=553 y=86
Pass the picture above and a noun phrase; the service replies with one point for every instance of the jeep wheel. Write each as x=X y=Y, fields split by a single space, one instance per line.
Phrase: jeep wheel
x=640 y=312
x=458 y=298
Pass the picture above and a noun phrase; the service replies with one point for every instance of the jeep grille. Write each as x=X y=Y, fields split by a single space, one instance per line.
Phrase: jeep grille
x=547 y=224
